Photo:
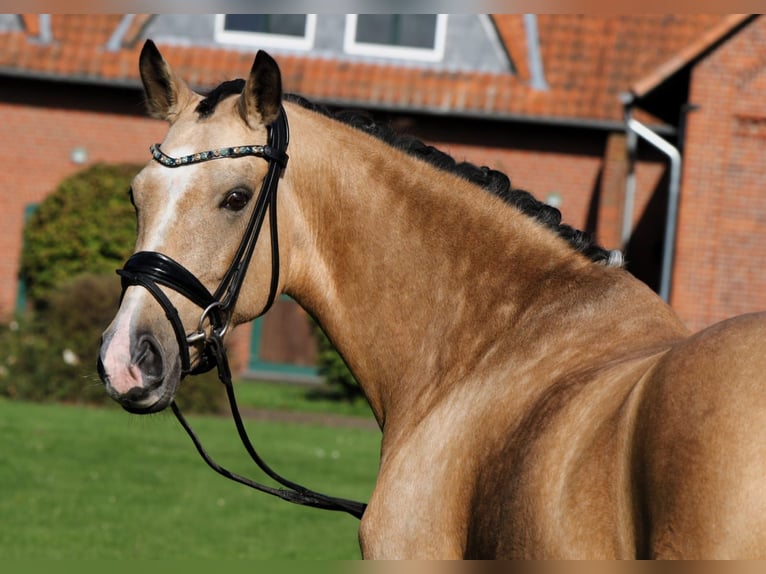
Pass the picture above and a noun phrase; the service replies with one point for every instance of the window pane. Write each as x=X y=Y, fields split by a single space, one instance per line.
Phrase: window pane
x=409 y=30
x=282 y=24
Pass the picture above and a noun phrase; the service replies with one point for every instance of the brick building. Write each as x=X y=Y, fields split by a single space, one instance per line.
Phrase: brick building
x=543 y=99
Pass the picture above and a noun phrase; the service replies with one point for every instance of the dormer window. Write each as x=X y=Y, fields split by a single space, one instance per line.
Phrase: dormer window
x=295 y=31
x=404 y=36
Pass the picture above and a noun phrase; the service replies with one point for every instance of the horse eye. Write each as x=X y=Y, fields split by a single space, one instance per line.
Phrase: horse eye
x=236 y=200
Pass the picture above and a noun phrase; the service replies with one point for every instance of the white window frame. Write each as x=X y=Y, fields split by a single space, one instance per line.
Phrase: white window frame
x=264 y=40
x=435 y=54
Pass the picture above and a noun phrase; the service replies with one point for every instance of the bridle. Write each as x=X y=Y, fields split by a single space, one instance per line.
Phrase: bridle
x=151 y=270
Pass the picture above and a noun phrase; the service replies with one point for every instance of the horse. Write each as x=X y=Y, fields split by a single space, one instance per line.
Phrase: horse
x=535 y=399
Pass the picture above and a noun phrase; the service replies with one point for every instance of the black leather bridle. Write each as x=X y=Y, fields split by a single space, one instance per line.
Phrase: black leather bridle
x=151 y=270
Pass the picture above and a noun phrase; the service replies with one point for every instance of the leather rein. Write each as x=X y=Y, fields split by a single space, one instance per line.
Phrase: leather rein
x=151 y=270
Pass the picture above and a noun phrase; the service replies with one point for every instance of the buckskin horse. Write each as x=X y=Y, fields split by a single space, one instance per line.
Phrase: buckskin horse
x=535 y=399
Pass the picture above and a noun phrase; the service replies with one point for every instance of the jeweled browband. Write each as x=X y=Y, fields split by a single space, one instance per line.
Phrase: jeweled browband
x=264 y=151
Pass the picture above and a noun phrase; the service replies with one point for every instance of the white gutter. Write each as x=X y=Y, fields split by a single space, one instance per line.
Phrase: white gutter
x=46 y=33
x=631 y=145
x=114 y=44
x=534 y=58
x=674 y=185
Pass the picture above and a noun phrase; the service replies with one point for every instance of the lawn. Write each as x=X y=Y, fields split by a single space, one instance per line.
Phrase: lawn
x=296 y=397
x=78 y=482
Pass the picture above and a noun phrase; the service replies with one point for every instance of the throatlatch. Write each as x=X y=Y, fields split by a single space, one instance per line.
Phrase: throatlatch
x=151 y=270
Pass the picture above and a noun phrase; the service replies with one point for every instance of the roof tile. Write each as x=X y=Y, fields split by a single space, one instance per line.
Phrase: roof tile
x=588 y=61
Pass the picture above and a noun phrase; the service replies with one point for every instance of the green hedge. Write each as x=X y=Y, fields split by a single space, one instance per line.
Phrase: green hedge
x=87 y=225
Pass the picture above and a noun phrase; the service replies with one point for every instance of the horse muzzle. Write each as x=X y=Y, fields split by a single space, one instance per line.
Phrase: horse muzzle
x=139 y=375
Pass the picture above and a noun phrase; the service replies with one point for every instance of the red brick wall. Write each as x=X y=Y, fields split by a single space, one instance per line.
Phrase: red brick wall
x=721 y=248
x=39 y=139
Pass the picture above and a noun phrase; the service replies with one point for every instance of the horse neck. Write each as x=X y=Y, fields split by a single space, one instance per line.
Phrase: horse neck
x=416 y=275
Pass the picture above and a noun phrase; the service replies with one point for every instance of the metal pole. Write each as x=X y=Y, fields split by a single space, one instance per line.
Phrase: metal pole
x=115 y=41
x=631 y=142
x=534 y=58
x=671 y=219
x=46 y=33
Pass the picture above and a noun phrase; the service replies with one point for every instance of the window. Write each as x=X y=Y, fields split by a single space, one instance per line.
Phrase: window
x=406 y=36
x=267 y=30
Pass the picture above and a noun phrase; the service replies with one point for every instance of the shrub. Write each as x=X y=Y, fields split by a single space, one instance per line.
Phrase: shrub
x=86 y=225
x=51 y=356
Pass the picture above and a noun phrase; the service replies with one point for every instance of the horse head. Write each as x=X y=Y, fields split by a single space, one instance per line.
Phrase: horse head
x=181 y=287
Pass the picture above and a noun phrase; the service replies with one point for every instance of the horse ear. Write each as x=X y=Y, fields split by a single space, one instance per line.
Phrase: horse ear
x=262 y=96
x=164 y=91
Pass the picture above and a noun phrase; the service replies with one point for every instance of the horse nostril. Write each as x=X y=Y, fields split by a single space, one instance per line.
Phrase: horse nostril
x=147 y=356
x=101 y=369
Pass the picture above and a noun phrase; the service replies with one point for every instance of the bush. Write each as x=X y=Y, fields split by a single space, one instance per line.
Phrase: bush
x=86 y=225
x=51 y=356
x=333 y=369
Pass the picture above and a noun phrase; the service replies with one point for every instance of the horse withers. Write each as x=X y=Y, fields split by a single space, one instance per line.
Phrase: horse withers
x=535 y=399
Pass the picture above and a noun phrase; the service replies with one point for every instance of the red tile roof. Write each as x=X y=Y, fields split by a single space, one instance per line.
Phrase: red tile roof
x=588 y=60
x=698 y=45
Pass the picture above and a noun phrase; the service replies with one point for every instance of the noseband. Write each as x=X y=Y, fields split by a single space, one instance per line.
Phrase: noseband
x=151 y=270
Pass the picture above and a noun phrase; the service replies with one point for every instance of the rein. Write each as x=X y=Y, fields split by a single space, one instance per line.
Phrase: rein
x=150 y=269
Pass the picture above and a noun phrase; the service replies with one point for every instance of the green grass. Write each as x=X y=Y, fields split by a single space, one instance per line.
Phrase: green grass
x=94 y=483
x=295 y=397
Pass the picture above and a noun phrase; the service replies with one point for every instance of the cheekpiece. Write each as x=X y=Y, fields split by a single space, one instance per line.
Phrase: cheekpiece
x=224 y=152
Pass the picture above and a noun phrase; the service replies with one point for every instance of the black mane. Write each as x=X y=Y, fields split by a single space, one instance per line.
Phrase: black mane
x=493 y=181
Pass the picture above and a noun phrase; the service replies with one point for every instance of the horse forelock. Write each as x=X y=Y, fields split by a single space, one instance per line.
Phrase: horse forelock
x=207 y=106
